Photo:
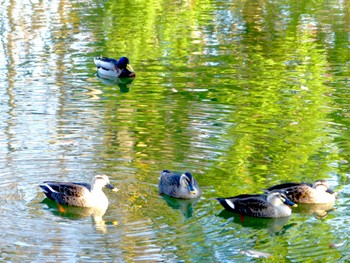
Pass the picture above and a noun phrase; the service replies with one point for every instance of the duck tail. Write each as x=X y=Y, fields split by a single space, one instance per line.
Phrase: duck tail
x=227 y=204
x=47 y=188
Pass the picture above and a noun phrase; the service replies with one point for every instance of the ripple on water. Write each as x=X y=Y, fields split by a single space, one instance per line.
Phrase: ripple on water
x=141 y=238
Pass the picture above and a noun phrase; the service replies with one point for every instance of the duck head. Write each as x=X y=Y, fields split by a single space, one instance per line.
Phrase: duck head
x=100 y=181
x=186 y=180
x=279 y=198
x=323 y=186
x=123 y=63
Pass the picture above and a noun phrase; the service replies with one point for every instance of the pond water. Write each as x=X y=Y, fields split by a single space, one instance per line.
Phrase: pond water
x=244 y=94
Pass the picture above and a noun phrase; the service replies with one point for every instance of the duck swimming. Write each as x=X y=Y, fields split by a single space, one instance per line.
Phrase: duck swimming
x=79 y=194
x=307 y=193
x=182 y=186
x=112 y=68
x=273 y=205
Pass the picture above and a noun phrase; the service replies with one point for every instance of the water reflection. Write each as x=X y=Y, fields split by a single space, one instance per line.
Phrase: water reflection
x=186 y=206
x=123 y=83
x=275 y=226
x=262 y=97
x=77 y=213
x=320 y=211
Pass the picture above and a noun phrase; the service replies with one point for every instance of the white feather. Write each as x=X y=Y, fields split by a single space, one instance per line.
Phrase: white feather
x=52 y=190
x=230 y=203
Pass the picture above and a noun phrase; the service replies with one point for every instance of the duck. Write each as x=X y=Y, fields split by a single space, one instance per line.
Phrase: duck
x=272 y=205
x=306 y=193
x=177 y=185
x=79 y=194
x=112 y=68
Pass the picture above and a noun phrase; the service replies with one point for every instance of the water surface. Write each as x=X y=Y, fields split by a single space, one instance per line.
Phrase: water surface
x=243 y=94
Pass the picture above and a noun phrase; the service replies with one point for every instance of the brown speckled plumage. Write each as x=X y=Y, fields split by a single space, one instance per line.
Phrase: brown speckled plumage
x=78 y=194
x=306 y=193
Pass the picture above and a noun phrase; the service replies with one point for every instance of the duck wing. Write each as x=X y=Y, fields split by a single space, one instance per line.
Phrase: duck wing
x=296 y=192
x=252 y=206
x=245 y=204
x=169 y=184
x=283 y=186
x=65 y=189
x=168 y=179
x=86 y=185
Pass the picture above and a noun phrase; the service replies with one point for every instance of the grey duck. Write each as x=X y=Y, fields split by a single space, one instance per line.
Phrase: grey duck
x=273 y=205
x=177 y=185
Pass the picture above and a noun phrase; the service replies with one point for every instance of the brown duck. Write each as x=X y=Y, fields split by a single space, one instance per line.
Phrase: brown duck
x=79 y=194
x=306 y=193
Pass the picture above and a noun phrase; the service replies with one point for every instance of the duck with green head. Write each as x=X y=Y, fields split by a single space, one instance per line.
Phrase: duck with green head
x=112 y=68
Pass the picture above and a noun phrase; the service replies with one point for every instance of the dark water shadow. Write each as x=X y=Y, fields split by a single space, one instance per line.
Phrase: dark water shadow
x=186 y=206
x=122 y=83
x=275 y=226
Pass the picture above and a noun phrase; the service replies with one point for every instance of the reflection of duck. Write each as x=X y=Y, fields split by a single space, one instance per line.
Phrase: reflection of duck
x=306 y=193
x=273 y=205
x=79 y=194
x=73 y=212
x=184 y=205
x=274 y=225
x=123 y=83
x=320 y=211
x=182 y=186
x=112 y=68
x=76 y=213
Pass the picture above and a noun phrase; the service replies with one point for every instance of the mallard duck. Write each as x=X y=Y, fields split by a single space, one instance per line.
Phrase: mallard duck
x=79 y=194
x=273 y=205
x=112 y=68
x=306 y=193
x=182 y=186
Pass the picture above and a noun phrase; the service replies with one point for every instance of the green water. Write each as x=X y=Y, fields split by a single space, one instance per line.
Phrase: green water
x=243 y=94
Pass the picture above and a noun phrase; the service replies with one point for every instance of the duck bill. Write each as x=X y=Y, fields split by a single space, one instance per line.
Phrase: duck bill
x=290 y=203
x=191 y=189
x=331 y=192
x=109 y=186
x=129 y=67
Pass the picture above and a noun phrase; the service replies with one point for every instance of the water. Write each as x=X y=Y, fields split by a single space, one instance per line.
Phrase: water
x=244 y=95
